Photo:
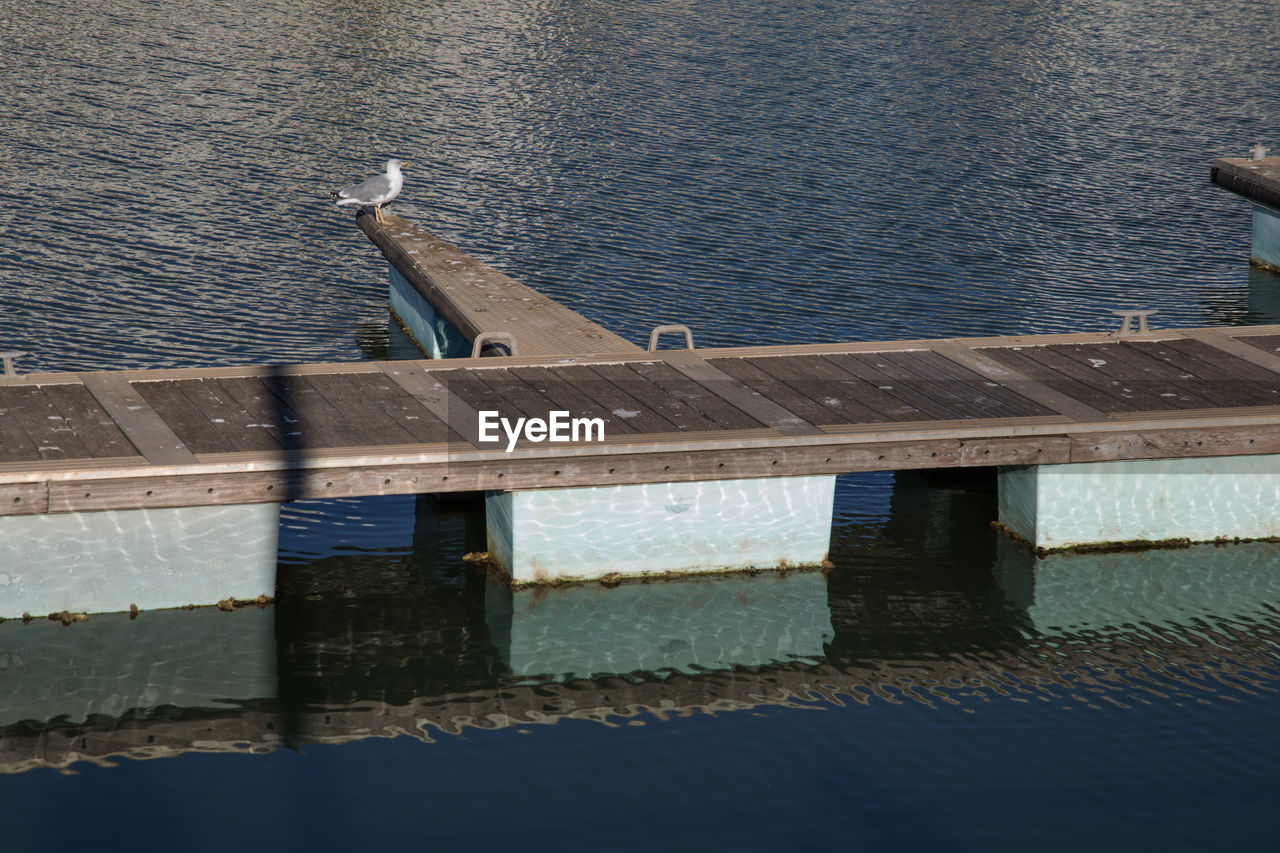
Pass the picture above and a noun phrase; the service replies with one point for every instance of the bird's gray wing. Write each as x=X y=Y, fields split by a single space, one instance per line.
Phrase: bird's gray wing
x=368 y=190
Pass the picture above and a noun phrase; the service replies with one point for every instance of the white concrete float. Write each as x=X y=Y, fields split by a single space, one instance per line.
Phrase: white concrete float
x=432 y=333
x=102 y=562
x=1093 y=503
x=1265 y=246
x=654 y=528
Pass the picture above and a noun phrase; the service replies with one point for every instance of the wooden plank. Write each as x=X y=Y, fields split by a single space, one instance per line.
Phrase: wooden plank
x=140 y=423
x=1051 y=398
x=45 y=425
x=1203 y=360
x=962 y=392
x=15 y=444
x=1217 y=416
x=1188 y=359
x=1238 y=348
x=1266 y=343
x=1175 y=443
x=395 y=403
x=197 y=432
x=889 y=380
x=826 y=383
x=1154 y=378
x=467 y=388
x=355 y=421
x=1161 y=367
x=629 y=379
x=31 y=471
x=761 y=409
x=517 y=397
x=637 y=415
x=226 y=415
x=682 y=416
x=178 y=374
x=264 y=411
x=1089 y=397
x=92 y=425
x=1005 y=400
x=985 y=342
x=310 y=420
x=698 y=396
x=1121 y=396
x=434 y=395
x=453 y=474
x=759 y=381
x=24 y=498
x=568 y=398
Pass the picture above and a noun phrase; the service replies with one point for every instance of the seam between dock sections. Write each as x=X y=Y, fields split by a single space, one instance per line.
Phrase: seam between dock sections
x=1232 y=345
x=141 y=424
x=1007 y=377
x=436 y=398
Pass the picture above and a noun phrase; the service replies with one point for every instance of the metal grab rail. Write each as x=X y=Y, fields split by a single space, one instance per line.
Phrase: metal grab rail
x=658 y=331
x=486 y=337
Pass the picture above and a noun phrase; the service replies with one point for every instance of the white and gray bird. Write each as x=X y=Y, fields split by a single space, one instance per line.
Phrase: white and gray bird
x=376 y=191
x=1259 y=152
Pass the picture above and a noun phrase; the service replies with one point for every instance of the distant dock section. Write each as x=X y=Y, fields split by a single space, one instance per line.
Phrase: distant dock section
x=1259 y=182
x=449 y=300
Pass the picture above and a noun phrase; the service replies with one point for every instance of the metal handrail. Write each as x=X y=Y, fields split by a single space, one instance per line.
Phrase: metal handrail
x=486 y=337
x=658 y=331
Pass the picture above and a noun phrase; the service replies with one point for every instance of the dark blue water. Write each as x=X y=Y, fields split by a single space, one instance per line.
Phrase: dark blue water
x=765 y=173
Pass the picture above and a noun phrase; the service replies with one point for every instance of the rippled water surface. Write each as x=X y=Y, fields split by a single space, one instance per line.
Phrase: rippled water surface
x=763 y=172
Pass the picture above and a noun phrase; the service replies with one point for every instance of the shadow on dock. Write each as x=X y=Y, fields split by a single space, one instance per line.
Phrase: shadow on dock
x=290 y=432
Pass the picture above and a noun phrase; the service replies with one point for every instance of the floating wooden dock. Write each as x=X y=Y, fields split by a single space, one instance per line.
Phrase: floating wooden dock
x=1258 y=180
x=231 y=435
x=479 y=301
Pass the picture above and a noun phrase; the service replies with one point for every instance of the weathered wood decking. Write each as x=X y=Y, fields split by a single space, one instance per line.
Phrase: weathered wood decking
x=181 y=437
x=1256 y=180
x=477 y=299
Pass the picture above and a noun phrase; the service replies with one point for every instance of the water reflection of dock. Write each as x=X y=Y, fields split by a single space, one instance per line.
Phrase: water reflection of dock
x=446 y=661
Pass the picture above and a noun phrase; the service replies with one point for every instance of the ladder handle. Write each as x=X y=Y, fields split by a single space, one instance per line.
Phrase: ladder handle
x=485 y=337
x=658 y=331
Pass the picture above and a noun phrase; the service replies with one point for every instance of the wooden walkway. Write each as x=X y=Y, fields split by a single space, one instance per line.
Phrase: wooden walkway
x=182 y=437
x=1256 y=180
x=477 y=299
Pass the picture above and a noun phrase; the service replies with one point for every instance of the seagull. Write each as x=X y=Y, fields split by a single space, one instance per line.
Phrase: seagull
x=376 y=191
x=1258 y=152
